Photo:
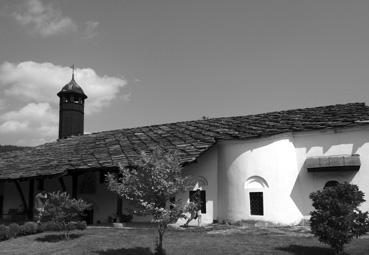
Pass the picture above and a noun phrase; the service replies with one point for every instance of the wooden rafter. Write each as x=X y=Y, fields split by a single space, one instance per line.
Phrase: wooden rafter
x=21 y=195
x=62 y=184
x=31 y=191
x=74 y=185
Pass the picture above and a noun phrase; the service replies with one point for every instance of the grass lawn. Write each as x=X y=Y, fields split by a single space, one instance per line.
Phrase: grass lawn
x=140 y=241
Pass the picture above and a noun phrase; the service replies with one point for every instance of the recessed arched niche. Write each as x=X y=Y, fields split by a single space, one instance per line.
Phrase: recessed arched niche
x=256 y=182
x=331 y=183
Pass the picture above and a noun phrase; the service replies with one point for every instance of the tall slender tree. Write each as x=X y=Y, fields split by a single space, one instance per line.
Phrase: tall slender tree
x=151 y=183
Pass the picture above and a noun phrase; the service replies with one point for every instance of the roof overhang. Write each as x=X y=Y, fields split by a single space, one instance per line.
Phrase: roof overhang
x=333 y=163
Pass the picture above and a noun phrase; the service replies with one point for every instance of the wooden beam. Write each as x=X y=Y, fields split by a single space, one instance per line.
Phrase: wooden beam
x=74 y=185
x=31 y=193
x=119 y=208
x=21 y=195
x=62 y=183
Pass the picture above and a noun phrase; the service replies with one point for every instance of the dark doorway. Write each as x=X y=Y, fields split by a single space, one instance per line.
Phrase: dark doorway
x=256 y=203
x=201 y=196
x=88 y=216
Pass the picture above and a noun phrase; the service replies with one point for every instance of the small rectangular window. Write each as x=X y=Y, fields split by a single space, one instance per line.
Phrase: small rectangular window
x=256 y=203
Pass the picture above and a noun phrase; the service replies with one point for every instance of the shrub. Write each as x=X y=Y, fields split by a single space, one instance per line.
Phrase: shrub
x=63 y=210
x=81 y=225
x=29 y=228
x=337 y=219
x=21 y=230
x=50 y=226
x=4 y=232
x=126 y=217
x=14 y=230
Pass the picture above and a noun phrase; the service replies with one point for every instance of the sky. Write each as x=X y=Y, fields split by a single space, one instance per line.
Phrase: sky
x=145 y=62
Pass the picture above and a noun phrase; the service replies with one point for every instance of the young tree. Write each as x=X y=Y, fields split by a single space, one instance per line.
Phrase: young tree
x=62 y=210
x=337 y=219
x=193 y=208
x=151 y=182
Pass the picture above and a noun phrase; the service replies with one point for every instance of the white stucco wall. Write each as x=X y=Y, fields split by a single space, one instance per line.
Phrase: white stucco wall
x=279 y=160
x=274 y=160
x=206 y=169
x=342 y=141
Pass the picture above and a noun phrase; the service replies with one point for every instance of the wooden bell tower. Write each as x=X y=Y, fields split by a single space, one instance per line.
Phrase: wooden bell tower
x=71 y=109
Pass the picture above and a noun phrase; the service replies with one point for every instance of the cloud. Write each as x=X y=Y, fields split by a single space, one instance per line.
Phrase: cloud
x=44 y=19
x=39 y=82
x=32 y=124
x=91 y=29
x=2 y=104
x=35 y=85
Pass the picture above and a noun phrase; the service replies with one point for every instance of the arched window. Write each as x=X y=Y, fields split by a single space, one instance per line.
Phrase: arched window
x=256 y=182
x=331 y=184
x=256 y=185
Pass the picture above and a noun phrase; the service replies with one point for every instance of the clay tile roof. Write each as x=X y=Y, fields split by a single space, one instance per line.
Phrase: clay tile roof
x=104 y=150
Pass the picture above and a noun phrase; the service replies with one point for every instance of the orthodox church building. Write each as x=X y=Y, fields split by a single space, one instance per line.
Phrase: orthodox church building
x=255 y=167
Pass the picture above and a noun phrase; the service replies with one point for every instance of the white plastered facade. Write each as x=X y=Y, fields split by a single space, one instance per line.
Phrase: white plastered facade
x=275 y=166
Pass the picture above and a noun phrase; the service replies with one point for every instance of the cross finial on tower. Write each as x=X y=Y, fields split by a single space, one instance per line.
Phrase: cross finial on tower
x=72 y=66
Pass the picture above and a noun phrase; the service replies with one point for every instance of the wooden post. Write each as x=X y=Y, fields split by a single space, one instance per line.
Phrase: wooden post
x=61 y=181
x=119 y=208
x=31 y=193
x=21 y=195
x=74 y=185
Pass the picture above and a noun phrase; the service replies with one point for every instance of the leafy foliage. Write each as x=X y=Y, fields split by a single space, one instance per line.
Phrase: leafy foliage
x=4 y=232
x=337 y=219
x=14 y=230
x=62 y=210
x=193 y=207
x=29 y=228
x=151 y=182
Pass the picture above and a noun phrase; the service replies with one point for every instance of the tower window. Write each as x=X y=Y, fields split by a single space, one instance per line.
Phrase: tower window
x=256 y=203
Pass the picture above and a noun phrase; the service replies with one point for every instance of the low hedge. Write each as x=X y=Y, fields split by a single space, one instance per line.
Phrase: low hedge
x=4 y=232
x=14 y=230
x=29 y=228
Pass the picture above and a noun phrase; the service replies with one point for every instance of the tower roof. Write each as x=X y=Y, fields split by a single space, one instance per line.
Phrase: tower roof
x=72 y=87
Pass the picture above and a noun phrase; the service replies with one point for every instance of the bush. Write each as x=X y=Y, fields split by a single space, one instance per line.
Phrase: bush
x=81 y=225
x=337 y=219
x=126 y=217
x=55 y=226
x=4 y=232
x=14 y=230
x=29 y=228
x=50 y=226
x=63 y=210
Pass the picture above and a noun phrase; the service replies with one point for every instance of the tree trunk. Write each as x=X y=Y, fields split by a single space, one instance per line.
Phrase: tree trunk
x=159 y=246
x=193 y=215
